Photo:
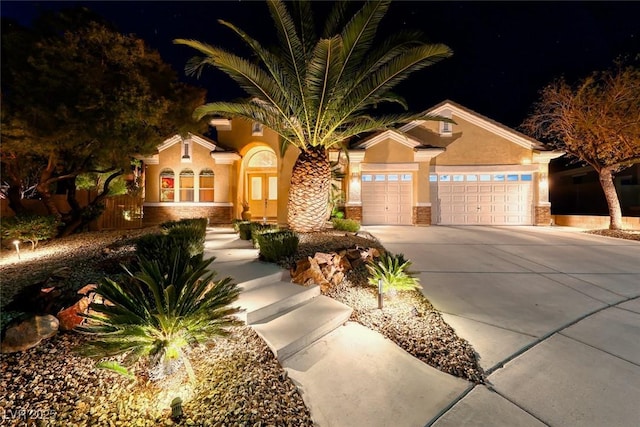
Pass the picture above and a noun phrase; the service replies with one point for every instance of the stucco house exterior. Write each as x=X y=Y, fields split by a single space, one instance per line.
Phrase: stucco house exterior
x=476 y=171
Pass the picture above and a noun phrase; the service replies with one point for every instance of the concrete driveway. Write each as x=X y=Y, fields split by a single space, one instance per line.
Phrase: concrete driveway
x=554 y=315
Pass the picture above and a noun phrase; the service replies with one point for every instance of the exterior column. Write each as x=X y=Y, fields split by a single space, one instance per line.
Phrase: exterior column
x=542 y=206
x=353 y=206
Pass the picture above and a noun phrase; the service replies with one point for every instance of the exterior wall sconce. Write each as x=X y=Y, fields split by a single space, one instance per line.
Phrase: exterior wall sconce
x=543 y=182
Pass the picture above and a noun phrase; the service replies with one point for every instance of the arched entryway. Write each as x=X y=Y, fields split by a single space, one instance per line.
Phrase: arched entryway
x=261 y=184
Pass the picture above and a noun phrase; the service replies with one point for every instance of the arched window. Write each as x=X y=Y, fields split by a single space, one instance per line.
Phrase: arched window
x=167 y=185
x=186 y=185
x=263 y=159
x=206 y=185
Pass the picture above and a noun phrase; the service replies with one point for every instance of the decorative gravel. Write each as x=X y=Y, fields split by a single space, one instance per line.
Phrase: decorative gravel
x=618 y=234
x=91 y=256
x=239 y=382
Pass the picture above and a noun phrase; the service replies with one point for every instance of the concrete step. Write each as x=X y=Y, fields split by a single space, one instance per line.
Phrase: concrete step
x=250 y=274
x=291 y=332
x=268 y=276
x=274 y=298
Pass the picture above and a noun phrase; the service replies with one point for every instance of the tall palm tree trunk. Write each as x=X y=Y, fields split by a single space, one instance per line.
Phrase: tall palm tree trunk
x=308 y=207
x=610 y=194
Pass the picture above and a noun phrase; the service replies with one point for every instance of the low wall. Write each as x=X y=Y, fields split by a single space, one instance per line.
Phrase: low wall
x=154 y=215
x=594 y=222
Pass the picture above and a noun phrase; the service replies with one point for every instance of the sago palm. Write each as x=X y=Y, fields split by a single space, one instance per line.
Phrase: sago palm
x=394 y=272
x=318 y=92
x=158 y=311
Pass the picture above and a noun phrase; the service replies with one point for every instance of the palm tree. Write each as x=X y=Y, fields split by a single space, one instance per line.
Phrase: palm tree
x=318 y=92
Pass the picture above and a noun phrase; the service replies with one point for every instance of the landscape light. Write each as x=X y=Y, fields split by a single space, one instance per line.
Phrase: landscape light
x=176 y=409
x=380 y=294
x=17 y=245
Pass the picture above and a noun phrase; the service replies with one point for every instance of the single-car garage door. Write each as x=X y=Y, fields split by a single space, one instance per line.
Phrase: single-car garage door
x=484 y=199
x=387 y=198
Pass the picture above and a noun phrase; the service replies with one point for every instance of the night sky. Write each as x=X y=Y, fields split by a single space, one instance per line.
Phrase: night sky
x=504 y=52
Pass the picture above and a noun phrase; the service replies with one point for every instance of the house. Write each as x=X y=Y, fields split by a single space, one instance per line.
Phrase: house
x=474 y=171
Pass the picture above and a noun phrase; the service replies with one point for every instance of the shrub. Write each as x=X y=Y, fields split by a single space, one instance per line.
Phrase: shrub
x=194 y=223
x=259 y=228
x=190 y=237
x=244 y=228
x=394 y=272
x=346 y=224
x=277 y=244
x=335 y=213
x=158 y=247
x=154 y=316
x=189 y=234
x=29 y=228
x=236 y=224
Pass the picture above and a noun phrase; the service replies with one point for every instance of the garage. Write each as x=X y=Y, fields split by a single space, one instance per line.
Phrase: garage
x=387 y=198
x=484 y=198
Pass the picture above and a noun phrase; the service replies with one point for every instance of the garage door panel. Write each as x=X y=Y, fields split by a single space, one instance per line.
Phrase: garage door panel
x=387 y=198
x=493 y=203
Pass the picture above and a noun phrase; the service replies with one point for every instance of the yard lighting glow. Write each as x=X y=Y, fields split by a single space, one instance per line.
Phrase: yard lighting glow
x=16 y=243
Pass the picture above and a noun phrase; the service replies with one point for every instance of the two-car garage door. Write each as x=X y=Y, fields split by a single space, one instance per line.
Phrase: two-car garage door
x=484 y=199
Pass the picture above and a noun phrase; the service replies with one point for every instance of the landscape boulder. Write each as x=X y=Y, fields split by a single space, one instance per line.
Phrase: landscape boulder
x=29 y=333
x=329 y=269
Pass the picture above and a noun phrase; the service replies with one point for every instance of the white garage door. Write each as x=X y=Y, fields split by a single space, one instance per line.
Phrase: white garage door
x=485 y=199
x=387 y=198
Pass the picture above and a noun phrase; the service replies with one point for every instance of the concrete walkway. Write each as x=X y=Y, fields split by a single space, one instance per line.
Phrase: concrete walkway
x=553 y=314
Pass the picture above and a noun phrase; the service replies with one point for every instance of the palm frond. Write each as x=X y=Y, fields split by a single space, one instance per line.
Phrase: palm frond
x=303 y=19
x=393 y=72
x=321 y=78
x=358 y=35
x=335 y=19
x=293 y=52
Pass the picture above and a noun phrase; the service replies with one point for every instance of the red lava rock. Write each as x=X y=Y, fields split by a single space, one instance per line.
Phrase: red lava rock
x=69 y=317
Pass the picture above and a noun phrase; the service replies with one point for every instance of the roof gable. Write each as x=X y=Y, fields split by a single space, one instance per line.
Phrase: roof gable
x=391 y=134
x=194 y=138
x=481 y=121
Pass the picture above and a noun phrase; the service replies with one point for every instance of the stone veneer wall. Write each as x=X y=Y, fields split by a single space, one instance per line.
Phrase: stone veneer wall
x=158 y=214
x=422 y=215
x=354 y=212
x=542 y=215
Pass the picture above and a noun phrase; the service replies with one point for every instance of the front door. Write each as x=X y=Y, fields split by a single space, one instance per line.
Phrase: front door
x=263 y=195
